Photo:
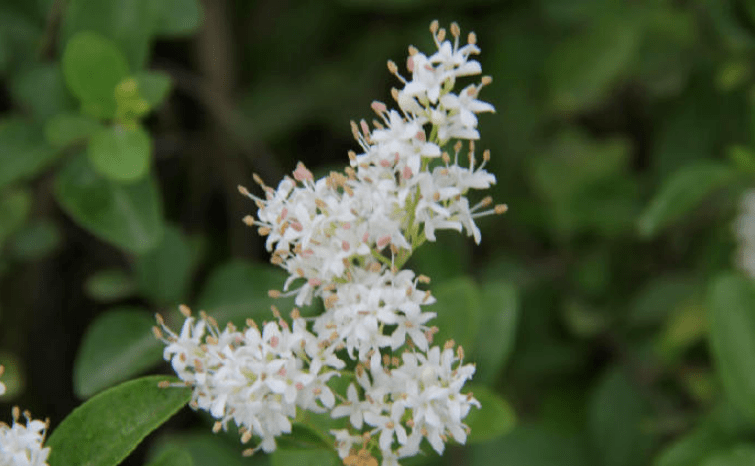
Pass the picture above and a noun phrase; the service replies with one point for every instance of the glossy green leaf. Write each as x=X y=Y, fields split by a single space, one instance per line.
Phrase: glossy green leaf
x=208 y=449
x=731 y=303
x=35 y=241
x=117 y=345
x=493 y=419
x=458 y=307
x=66 y=129
x=163 y=273
x=41 y=90
x=176 y=17
x=106 y=428
x=120 y=153
x=127 y=216
x=311 y=457
x=616 y=416
x=93 y=66
x=682 y=192
x=109 y=285
x=23 y=151
x=173 y=457
x=495 y=340
x=14 y=209
x=742 y=455
x=153 y=86
x=238 y=290
x=127 y=23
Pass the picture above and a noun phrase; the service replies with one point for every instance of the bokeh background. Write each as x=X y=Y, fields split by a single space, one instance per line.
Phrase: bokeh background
x=605 y=307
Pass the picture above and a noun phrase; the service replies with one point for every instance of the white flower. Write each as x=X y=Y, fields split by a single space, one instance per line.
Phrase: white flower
x=21 y=445
x=351 y=408
x=343 y=239
x=344 y=441
x=255 y=378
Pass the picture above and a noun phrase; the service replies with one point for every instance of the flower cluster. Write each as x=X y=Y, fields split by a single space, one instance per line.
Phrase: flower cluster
x=255 y=378
x=744 y=228
x=344 y=239
x=21 y=445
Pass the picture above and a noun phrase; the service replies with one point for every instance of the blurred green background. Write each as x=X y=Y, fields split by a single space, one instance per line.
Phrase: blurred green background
x=604 y=307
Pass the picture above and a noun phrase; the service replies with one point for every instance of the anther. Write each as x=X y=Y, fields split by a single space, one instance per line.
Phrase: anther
x=501 y=208
x=455 y=31
x=184 y=309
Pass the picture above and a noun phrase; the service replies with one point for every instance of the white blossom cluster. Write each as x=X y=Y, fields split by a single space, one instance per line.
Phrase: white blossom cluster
x=21 y=445
x=744 y=228
x=344 y=239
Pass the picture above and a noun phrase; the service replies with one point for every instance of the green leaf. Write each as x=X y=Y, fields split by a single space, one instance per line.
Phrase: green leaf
x=742 y=455
x=586 y=185
x=109 y=285
x=530 y=445
x=66 y=129
x=23 y=151
x=106 y=428
x=660 y=297
x=686 y=327
x=446 y=258
x=120 y=153
x=173 y=457
x=731 y=302
x=35 y=241
x=743 y=158
x=722 y=428
x=495 y=340
x=41 y=90
x=163 y=273
x=93 y=66
x=584 y=67
x=117 y=345
x=127 y=216
x=5 y=52
x=207 y=449
x=127 y=23
x=238 y=290
x=682 y=192
x=153 y=86
x=14 y=209
x=458 y=307
x=494 y=419
x=176 y=17
x=311 y=457
x=616 y=415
